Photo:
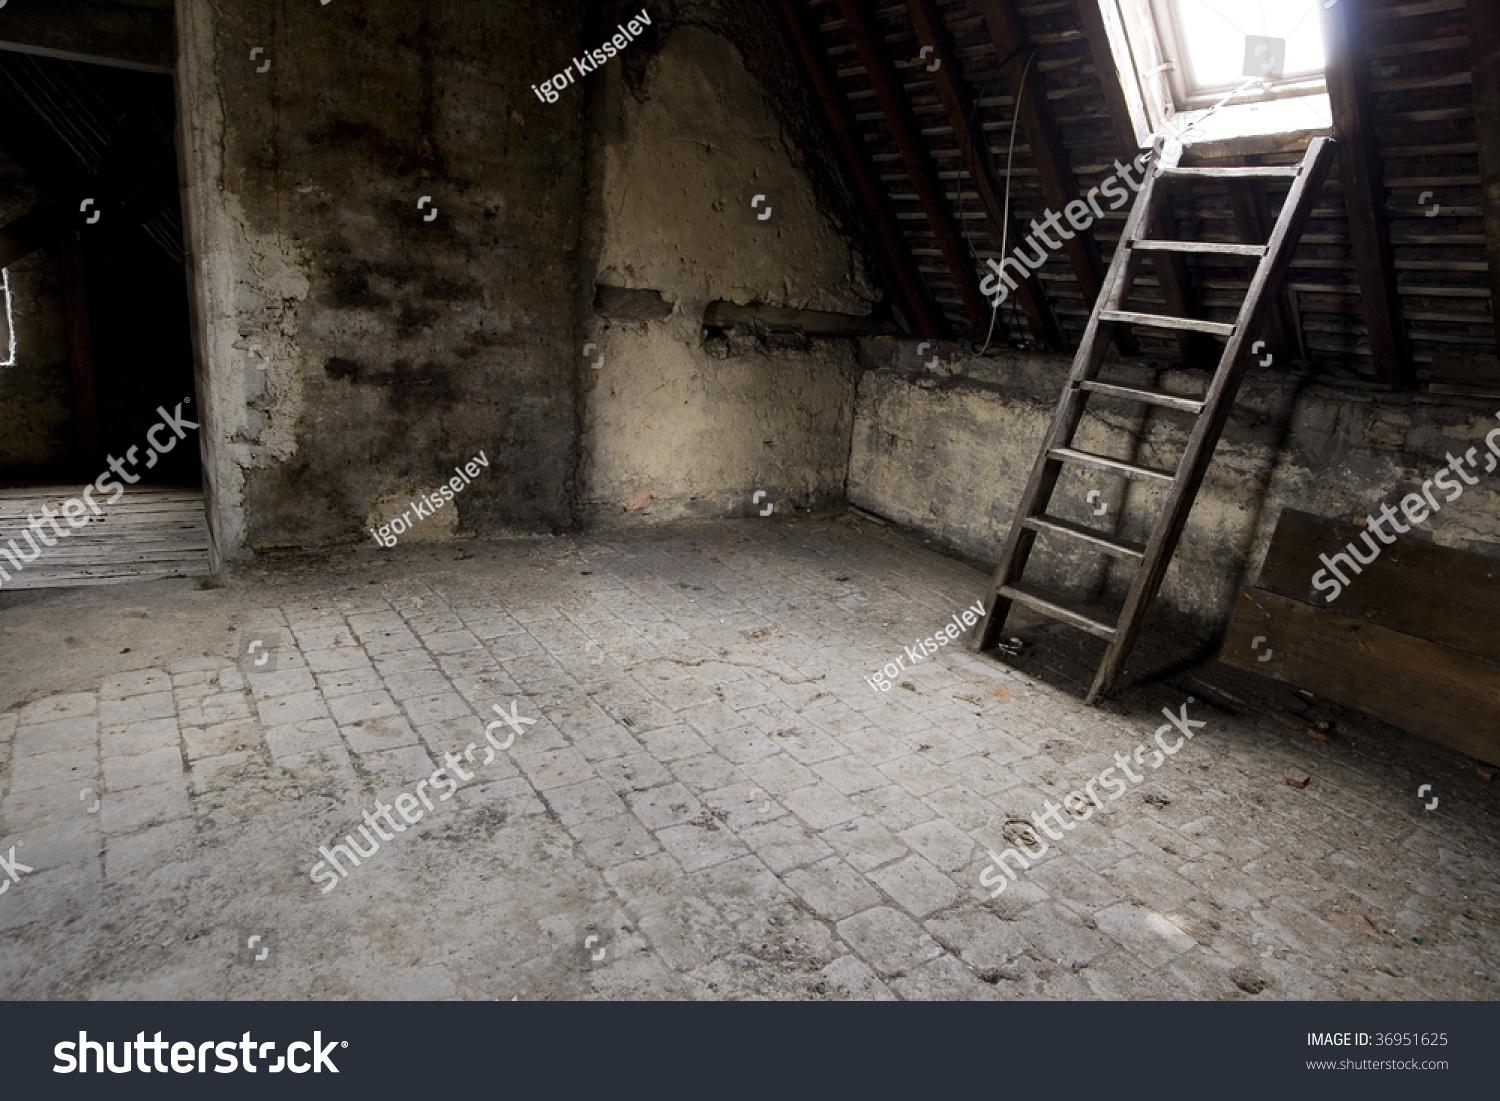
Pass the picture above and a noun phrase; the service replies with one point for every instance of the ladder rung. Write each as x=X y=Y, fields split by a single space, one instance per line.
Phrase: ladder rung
x=1249 y=172
x=1152 y=397
x=1053 y=606
x=1120 y=548
x=1110 y=466
x=1203 y=248
x=1161 y=321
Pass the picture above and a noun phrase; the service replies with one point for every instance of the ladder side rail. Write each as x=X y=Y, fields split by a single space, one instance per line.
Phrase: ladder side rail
x=1218 y=403
x=1069 y=412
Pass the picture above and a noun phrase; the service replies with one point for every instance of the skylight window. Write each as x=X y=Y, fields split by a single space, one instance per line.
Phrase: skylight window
x=1212 y=37
x=1217 y=70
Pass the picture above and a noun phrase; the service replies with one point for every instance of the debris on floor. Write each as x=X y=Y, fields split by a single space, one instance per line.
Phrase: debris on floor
x=1321 y=731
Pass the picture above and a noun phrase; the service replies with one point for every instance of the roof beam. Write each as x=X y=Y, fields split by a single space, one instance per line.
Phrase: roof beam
x=953 y=91
x=1253 y=222
x=864 y=29
x=1484 y=61
x=86 y=59
x=1360 y=175
x=29 y=232
x=1048 y=152
x=80 y=347
x=1117 y=96
x=892 y=249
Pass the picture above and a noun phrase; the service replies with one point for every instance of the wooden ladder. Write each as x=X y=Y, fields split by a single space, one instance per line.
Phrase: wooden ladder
x=1211 y=412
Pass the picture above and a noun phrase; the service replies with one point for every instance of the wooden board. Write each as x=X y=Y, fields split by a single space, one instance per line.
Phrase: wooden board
x=149 y=533
x=1448 y=695
x=1415 y=587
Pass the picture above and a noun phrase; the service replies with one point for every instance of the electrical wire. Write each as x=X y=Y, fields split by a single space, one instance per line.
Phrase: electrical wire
x=1010 y=158
x=963 y=225
x=1178 y=135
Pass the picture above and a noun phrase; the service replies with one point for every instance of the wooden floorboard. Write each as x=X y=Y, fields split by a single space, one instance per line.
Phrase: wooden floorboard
x=1415 y=587
x=1448 y=695
x=147 y=534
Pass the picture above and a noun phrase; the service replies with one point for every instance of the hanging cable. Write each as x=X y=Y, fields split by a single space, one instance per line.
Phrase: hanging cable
x=1010 y=158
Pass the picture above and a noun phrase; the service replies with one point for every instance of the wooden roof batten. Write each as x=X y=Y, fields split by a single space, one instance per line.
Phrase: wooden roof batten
x=863 y=28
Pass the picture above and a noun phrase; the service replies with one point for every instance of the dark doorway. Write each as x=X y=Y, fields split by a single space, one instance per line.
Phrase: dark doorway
x=92 y=242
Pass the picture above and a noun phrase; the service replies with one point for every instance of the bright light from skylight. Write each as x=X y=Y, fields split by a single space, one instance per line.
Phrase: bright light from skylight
x=7 y=338
x=1214 y=33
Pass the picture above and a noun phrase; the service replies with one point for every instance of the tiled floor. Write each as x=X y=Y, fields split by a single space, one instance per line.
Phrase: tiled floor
x=712 y=802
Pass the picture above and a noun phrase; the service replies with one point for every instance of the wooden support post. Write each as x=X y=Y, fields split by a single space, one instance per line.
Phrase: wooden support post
x=953 y=90
x=900 y=267
x=1252 y=220
x=1484 y=61
x=864 y=29
x=1360 y=175
x=28 y=233
x=80 y=349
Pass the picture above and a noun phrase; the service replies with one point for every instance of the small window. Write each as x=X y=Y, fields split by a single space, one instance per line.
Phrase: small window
x=1220 y=69
x=1212 y=46
x=7 y=324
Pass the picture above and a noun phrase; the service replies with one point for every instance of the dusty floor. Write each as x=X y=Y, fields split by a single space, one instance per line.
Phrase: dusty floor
x=713 y=803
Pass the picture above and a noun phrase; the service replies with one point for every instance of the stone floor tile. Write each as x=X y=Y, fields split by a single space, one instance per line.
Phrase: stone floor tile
x=668 y=805
x=69 y=705
x=154 y=767
x=833 y=889
x=1145 y=933
x=888 y=940
x=864 y=843
x=942 y=843
x=51 y=737
x=916 y=885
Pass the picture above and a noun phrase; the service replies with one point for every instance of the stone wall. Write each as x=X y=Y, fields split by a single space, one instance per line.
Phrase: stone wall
x=353 y=346
x=949 y=451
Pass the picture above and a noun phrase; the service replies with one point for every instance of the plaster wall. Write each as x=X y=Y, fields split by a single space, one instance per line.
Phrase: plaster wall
x=675 y=424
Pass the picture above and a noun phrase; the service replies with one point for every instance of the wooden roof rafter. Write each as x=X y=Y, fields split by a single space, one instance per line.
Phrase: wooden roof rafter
x=1361 y=180
x=862 y=26
x=1484 y=63
x=1013 y=46
x=958 y=104
x=895 y=254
